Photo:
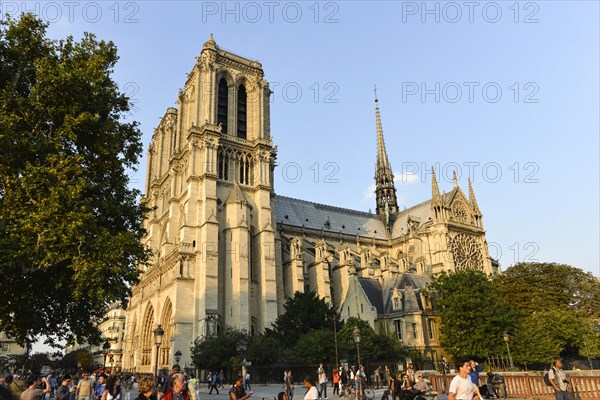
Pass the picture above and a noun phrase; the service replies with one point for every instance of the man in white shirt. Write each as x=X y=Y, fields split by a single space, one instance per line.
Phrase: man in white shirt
x=461 y=387
x=559 y=380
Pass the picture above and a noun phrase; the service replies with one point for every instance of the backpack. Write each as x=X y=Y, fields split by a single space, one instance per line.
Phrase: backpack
x=547 y=378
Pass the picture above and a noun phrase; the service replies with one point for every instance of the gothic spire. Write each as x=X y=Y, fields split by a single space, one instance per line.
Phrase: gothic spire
x=472 y=199
x=387 y=204
x=435 y=189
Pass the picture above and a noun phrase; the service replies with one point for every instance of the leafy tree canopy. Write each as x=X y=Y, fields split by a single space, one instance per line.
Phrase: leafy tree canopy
x=473 y=318
x=70 y=228
x=303 y=312
x=534 y=287
x=560 y=311
x=219 y=351
x=374 y=347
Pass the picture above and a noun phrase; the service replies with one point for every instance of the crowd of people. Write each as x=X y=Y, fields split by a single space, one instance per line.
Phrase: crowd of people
x=405 y=385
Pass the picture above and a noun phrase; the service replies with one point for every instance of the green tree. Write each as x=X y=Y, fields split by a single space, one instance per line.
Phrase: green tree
x=559 y=306
x=219 y=351
x=303 y=312
x=374 y=347
x=535 y=287
x=74 y=359
x=70 y=228
x=316 y=346
x=473 y=318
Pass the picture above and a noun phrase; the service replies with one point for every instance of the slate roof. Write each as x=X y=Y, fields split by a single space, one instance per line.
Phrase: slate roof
x=372 y=289
x=422 y=211
x=296 y=212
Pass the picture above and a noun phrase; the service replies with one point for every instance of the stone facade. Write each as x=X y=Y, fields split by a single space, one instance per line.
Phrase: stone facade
x=228 y=251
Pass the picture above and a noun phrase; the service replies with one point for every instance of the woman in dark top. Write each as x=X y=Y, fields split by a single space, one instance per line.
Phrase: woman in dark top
x=146 y=388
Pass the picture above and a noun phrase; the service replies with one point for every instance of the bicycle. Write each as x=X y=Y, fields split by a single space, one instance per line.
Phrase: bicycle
x=368 y=392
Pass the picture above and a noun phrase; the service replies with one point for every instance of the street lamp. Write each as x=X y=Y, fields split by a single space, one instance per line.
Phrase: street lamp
x=334 y=319
x=356 y=334
x=158 y=337
x=506 y=338
x=241 y=347
x=105 y=350
x=177 y=356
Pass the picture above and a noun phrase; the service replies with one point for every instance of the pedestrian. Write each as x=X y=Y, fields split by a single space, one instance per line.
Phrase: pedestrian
x=177 y=391
x=376 y=378
x=282 y=396
x=247 y=386
x=289 y=384
x=496 y=385
x=221 y=379
x=84 y=388
x=476 y=369
x=64 y=391
x=461 y=386
x=214 y=378
x=32 y=392
x=335 y=378
x=52 y=382
x=410 y=372
x=100 y=387
x=14 y=386
x=146 y=388
x=312 y=393
x=322 y=382
x=237 y=392
x=559 y=381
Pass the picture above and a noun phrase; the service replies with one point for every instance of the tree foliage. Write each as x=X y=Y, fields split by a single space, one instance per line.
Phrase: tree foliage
x=374 y=347
x=473 y=318
x=219 y=351
x=70 y=228
x=74 y=359
x=303 y=312
x=560 y=309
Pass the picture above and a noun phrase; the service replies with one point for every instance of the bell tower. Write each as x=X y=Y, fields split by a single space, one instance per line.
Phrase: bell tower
x=210 y=182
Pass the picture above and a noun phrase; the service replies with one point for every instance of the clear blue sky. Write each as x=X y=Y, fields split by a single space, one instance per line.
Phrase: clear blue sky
x=532 y=151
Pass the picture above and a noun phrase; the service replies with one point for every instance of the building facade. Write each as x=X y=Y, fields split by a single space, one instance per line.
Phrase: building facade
x=228 y=251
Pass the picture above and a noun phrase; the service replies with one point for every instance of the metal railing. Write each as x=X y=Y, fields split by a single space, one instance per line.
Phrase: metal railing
x=532 y=387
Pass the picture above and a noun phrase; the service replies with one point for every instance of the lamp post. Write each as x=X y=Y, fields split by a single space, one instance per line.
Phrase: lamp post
x=105 y=350
x=506 y=338
x=241 y=347
x=356 y=334
x=177 y=357
x=158 y=337
x=334 y=319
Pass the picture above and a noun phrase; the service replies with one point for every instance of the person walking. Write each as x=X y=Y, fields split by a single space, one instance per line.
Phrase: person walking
x=376 y=378
x=146 y=388
x=247 y=386
x=178 y=389
x=559 y=381
x=84 y=388
x=476 y=369
x=312 y=393
x=14 y=386
x=289 y=385
x=64 y=391
x=237 y=392
x=335 y=378
x=32 y=392
x=214 y=379
x=322 y=382
x=462 y=387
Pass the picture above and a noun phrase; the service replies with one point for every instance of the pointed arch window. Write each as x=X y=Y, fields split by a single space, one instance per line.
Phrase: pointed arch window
x=222 y=103
x=241 y=112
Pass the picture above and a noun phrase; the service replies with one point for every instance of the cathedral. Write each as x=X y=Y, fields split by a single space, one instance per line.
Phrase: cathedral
x=228 y=251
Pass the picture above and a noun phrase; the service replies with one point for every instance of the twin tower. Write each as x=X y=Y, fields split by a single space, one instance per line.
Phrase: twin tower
x=227 y=251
